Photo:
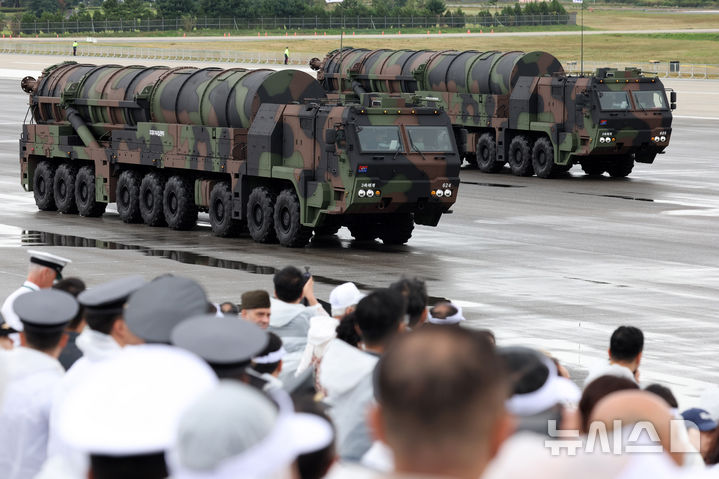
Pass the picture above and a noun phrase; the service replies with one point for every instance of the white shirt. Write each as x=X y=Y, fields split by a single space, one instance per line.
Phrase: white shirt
x=24 y=416
x=8 y=311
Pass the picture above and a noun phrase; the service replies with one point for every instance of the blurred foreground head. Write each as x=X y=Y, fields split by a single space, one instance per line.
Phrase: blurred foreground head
x=441 y=394
x=629 y=408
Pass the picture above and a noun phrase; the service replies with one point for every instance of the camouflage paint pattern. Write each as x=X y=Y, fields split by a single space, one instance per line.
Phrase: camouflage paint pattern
x=245 y=128
x=513 y=93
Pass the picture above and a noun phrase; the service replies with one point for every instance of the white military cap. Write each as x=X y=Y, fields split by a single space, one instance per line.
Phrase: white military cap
x=130 y=404
x=235 y=431
x=54 y=262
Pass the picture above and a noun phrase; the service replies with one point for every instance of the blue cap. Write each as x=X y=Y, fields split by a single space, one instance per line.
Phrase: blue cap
x=700 y=418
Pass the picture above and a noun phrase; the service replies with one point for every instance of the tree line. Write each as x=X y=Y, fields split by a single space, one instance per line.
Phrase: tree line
x=134 y=10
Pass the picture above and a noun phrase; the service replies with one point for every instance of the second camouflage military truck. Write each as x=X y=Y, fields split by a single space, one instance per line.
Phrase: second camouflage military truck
x=520 y=108
x=258 y=148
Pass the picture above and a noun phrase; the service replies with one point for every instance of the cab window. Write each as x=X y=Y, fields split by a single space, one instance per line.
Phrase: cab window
x=614 y=100
x=379 y=139
x=430 y=138
x=650 y=100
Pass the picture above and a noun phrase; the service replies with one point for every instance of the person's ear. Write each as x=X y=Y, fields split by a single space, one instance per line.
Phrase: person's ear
x=23 y=339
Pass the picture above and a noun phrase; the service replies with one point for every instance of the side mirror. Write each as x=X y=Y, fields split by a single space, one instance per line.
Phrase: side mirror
x=673 y=97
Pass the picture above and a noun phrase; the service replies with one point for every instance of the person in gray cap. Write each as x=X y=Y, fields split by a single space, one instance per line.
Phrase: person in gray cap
x=156 y=308
x=33 y=374
x=226 y=344
x=44 y=270
x=103 y=338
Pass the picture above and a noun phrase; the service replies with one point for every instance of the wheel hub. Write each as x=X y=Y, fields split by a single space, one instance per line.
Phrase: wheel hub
x=285 y=216
x=219 y=210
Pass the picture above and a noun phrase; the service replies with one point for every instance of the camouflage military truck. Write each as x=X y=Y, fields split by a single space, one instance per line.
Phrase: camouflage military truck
x=520 y=108
x=258 y=149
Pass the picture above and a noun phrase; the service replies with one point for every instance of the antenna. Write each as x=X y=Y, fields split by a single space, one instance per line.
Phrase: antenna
x=581 y=64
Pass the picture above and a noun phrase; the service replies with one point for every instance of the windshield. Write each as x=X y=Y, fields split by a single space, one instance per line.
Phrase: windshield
x=649 y=100
x=614 y=100
x=379 y=139
x=430 y=138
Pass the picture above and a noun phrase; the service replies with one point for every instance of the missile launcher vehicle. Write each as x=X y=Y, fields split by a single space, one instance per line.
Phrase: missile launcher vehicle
x=259 y=150
x=519 y=108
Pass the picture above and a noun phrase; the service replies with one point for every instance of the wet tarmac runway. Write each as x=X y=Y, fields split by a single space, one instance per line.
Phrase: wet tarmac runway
x=556 y=264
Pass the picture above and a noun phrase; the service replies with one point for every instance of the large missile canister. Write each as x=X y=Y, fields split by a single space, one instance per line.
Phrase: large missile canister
x=448 y=71
x=124 y=96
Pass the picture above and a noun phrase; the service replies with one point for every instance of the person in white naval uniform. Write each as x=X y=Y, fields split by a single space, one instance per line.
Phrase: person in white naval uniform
x=103 y=338
x=45 y=269
x=33 y=372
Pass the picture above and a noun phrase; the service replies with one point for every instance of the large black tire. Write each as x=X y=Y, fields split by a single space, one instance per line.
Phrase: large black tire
x=63 y=188
x=178 y=203
x=128 y=197
x=288 y=228
x=620 y=167
x=520 y=156
x=42 y=186
x=397 y=229
x=260 y=215
x=487 y=154
x=87 y=205
x=595 y=167
x=543 y=158
x=152 y=188
x=221 y=211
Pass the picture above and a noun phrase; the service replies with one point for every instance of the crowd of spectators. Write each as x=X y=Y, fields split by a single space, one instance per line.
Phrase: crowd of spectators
x=150 y=379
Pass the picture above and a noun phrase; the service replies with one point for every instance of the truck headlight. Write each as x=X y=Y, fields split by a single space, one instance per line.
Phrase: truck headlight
x=361 y=193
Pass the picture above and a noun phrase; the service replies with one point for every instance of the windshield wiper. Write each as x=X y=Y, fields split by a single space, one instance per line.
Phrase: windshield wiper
x=396 y=152
x=414 y=147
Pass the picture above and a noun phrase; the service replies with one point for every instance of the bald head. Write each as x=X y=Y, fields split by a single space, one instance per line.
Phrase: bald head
x=441 y=396
x=635 y=406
